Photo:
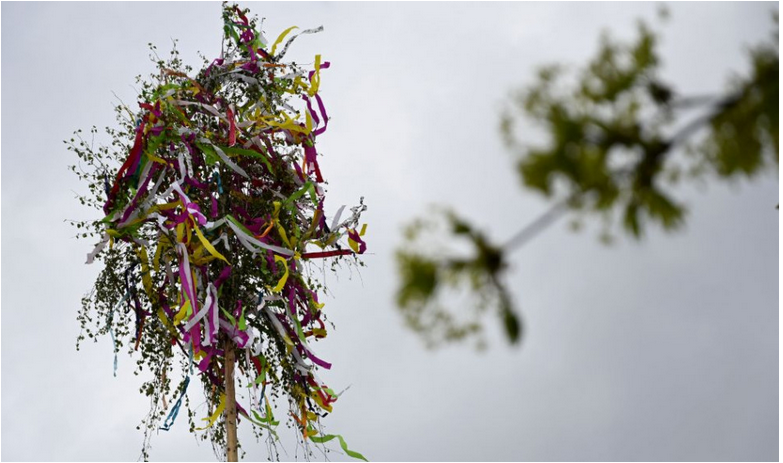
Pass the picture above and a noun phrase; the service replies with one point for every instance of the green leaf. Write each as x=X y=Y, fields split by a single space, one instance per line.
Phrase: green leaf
x=512 y=325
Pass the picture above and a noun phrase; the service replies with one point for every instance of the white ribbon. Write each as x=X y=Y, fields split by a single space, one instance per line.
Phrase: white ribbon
x=98 y=248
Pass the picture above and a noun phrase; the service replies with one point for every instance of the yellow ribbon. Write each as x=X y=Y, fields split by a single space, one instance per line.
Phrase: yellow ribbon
x=208 y=246
x=218 y=412
x=146 y=279
x=298 y=82
x=308 y=122
x=180 y=229
x=315 y=82
x=280 y=228
x=284 y=278
x=183 y=312
x=281 y=37
x=287 y=124
x=200 y=256
x=154 y=158
x=353 y=244
x=319 y=401
x=158 y=251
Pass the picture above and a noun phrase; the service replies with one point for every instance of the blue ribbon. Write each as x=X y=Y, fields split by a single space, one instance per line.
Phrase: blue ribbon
x=219 y=182
x=109 y=319
x=169 y=421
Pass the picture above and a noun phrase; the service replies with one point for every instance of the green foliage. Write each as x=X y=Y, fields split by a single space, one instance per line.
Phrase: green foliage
x=616 y=138
x=431 y=274
x=602 y=153
x=743 y=137
x=613 y=132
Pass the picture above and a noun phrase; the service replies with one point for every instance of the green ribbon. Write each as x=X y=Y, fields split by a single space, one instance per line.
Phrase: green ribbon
x=328 y=437
x=245 y=152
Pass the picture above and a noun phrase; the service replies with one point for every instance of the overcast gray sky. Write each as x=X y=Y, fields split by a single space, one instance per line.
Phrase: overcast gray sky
x=660 y=350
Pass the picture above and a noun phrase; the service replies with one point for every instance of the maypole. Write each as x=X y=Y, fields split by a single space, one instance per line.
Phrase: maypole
x=213 y=205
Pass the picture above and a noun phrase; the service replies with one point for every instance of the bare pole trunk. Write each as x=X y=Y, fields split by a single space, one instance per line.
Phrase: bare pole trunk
x=230 y=360
x=231 y=403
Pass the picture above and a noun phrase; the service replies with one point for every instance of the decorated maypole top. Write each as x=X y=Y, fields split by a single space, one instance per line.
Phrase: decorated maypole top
x=213 y=203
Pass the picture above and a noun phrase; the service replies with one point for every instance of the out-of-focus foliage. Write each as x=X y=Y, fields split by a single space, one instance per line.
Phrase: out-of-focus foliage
x=429 y=272
x=618 y=138
x=613 y=132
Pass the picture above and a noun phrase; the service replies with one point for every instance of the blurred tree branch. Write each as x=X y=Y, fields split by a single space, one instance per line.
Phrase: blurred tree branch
x=616 y=139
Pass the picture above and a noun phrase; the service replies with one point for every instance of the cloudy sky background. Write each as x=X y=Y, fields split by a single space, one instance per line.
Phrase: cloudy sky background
x=661 y=350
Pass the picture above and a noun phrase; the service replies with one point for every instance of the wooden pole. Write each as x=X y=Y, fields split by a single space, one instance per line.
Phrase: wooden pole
x=231 y=403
